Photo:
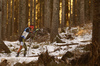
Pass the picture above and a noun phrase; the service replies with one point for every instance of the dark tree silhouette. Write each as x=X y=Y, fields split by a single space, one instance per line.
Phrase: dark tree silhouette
x=96 y=33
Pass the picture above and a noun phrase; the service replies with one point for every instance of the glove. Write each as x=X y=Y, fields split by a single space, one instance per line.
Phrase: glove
x=37 y=29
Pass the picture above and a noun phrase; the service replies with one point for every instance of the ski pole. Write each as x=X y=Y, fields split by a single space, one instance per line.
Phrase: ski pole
x=31 y=42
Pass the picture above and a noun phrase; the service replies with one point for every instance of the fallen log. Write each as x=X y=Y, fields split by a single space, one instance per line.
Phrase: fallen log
x=68 y=44
x=86 y=41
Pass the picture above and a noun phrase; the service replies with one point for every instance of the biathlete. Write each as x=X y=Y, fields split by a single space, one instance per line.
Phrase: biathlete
x=23 y=37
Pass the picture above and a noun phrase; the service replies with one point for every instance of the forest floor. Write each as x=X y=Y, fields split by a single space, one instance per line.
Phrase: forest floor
x=73 y=47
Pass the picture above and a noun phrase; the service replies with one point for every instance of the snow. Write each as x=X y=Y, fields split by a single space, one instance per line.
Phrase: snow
x=14 y=46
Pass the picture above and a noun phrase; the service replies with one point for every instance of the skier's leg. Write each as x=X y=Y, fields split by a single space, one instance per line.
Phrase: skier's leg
x=25 y=51
x=19 y=49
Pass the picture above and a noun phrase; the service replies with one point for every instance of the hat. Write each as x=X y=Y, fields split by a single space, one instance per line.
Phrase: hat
x=31 y=26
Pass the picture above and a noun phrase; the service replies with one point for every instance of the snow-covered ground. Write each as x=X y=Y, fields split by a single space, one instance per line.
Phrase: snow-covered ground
x=53 y=49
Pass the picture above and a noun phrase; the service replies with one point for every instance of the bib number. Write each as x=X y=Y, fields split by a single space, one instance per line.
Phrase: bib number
x=25 y=34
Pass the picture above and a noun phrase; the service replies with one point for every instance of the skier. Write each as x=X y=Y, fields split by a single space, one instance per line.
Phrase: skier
x=23 y=37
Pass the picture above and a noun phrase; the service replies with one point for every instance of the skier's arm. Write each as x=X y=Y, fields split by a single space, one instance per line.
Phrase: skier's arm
x=35 y=30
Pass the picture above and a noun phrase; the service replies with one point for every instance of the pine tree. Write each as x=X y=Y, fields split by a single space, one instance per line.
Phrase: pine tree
x=4 y=23
x=63 y=20
x=42 y=13
x=13 y=17
x=75 y=12
x=87 y=13
x=47 y=14
x=91 y=11
x=0 y=17
x=78 y=12
x=55 y=20
x=82 y=12
x=96 y=33
x=22 y=15
x=9 y=20
x=31 y=7
x=66 y=12
x=34 y=13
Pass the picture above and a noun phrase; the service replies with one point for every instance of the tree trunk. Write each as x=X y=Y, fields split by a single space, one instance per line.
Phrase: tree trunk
x=0 y=5
x=34 y=12
x=9 y=21
x=78 y=12
x=47 y=14
x=40 y=23
x=31 y=6
x=20 y=20
x=96 y=33
x=51 y=11
x=0 y=18
x=63 y=20
x=27 y=12
x=87 y=13
x=66 y=12
x=22 y=15
x=42 y=13
x=91 y=11
x=0 y=23
x=12 y=17
x=16 y=16
x=82 y=12
x=4 y=19
x=70 y=15
x=75 y=12
x=55 y=20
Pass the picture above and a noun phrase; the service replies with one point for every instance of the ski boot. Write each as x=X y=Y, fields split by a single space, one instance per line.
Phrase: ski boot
x=17 y=54
x=24 y=54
